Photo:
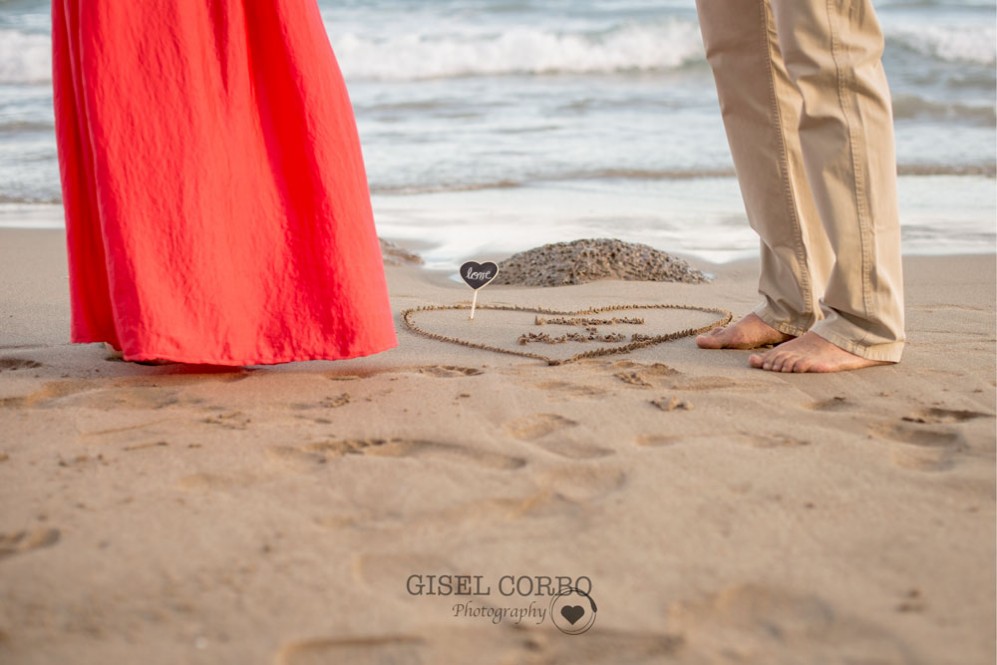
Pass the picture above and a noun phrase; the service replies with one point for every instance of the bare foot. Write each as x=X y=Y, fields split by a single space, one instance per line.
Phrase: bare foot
x=810 y=353
x=748 y=333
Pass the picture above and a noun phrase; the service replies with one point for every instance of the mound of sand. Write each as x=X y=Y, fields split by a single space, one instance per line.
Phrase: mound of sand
x=396 y=255
x=582 y=261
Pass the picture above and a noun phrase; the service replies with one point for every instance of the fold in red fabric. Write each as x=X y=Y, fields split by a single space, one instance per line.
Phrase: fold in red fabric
x=217 y=208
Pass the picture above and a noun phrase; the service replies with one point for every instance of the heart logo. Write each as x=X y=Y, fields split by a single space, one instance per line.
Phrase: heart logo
x=573 y=613
x=490 y=337
x=478 y=275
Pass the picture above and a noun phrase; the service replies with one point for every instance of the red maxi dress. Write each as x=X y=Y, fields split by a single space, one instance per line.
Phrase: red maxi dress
x=217 y=208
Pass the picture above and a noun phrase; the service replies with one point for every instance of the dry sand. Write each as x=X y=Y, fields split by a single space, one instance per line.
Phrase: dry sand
x=723 y=515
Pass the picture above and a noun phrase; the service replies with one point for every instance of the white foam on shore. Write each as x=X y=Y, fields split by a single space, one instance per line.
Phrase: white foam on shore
x=957 y=43
x=25 y=57
x=425 y=50
x=701 y=219
x=520 y=50
x=31 y=216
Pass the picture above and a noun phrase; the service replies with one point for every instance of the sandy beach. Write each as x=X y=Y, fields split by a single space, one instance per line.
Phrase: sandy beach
x=420 y=506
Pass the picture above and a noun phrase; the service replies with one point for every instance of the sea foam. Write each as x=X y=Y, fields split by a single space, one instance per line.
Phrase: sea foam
x=25 y=57
x=950 y=43
x=520 y=50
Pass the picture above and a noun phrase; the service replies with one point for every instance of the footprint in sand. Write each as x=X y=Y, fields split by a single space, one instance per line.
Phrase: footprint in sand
x=310 y=456
x=449 y=371
x=356 y=651
x=657 y=440
x=761 y=441
x=566 y=390
x=139 y=398
x=659 y=375
x=561 y=497
x=387 y=572
x=96 y=395
x=216 y=481
x=584 y=483
x=331 y=402
x=532 y=641
x=233 y=420
x=634 y=379
x=540 y=504
x=537 y=428
x=937 y=416
x=145 y=446
x=775 y=626
x=49 y=392
x=559 y=493
x=128 y=426
x=81 y=462
x=14 y=364
x=641 y=375
x=182 y=376
x=671 y=404
x=769 y=441
x=924 y=437
x=922 y=448
x=709 y=383
x=574 y=450
x=25 y=541
x=835 y=404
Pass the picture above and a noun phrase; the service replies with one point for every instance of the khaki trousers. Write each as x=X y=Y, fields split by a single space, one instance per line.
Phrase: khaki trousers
x=808 y=115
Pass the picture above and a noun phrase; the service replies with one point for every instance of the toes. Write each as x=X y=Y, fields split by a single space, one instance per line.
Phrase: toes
x=805 y=365
x=712 y=340
x=773 y=362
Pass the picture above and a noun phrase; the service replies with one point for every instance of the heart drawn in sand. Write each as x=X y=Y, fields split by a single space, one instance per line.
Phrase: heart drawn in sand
x=637 y=341
x=478 y=275
x=573 y=613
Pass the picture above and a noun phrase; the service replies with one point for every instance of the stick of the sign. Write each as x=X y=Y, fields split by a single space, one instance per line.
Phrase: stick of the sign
x=474 y=304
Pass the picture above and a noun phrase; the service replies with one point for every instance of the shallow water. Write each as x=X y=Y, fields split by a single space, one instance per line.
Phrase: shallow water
x=491 y=126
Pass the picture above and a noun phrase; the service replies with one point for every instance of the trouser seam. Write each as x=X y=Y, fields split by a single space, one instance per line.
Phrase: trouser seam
x=805 y=283
x=858 y=180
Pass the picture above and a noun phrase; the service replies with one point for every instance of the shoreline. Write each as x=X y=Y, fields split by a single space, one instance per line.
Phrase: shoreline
x=275 y=514
x=700 y=219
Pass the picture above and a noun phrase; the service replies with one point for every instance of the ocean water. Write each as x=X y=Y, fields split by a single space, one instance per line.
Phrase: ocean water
x=491 y=126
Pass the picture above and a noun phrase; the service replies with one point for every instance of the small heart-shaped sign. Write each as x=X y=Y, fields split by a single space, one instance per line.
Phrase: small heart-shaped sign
x=573 y=613
x=478 y=275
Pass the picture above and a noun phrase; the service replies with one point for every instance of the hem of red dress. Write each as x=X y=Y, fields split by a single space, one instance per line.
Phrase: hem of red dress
x=152 y=356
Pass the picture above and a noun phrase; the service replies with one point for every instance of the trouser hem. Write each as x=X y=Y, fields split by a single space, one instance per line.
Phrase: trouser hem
x=785 y=327
x=890 y=352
